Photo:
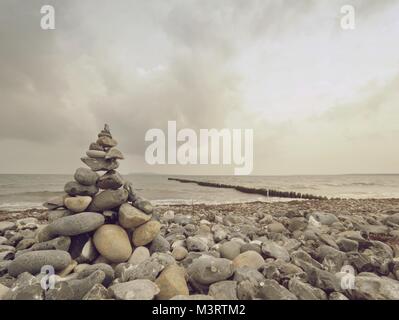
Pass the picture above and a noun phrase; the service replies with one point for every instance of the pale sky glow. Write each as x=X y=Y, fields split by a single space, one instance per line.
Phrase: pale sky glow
x=321 y=100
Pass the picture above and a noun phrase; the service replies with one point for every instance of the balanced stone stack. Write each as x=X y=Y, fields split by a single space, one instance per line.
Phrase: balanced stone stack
x=92 y=228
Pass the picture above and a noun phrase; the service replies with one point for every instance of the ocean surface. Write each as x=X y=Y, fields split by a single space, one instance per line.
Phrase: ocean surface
x=30 y=191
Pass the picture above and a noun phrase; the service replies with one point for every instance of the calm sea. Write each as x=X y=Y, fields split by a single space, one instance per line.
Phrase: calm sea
x=27 y=191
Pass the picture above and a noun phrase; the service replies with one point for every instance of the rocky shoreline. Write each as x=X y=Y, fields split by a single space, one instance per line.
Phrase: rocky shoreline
x=101 y=240
x=281 y=250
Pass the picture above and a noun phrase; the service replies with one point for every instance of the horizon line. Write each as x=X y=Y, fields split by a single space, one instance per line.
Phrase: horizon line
x=222 y=175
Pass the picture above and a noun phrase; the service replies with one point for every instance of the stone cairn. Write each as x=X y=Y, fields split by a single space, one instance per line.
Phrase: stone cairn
x=90 y=238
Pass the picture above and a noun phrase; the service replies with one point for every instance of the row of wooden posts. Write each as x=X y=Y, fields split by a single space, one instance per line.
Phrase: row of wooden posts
x=261 y=191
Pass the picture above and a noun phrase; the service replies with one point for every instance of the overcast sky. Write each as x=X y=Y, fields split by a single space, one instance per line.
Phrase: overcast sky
x=320 y=99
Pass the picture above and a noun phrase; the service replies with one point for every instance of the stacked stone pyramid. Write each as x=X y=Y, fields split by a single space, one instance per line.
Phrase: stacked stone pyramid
x=95 y=226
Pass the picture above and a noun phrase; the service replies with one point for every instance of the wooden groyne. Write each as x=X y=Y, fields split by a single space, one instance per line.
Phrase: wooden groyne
x=261 y=191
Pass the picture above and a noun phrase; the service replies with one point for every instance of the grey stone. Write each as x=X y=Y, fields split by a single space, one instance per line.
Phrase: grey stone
x=273 y=250
x=159 y=244
x=143 y=205
x=114 y=154
x=81 y=287
x=324 y=218
x=337 y=296
x=96 y=146
x=141 y=289
x=31 y=292
x=61 y=291
x=304 y=291
x=98 y=164
x=392 y=219
x=76 y=224
x=4 y=291
x=54 y=203
x=74 y=188
x=106 y=141
x=271 y=290
x=223 y=290
x=251 y=247
x=297 y=224
x=98 y=292
x=248 y=274
x=108 y=199
x=111 y=180
x=247 y=290
x=375 y=288
x=360 y=261
x=60 y=243
x=32 y=262
x=148 y=269
x=324 y=280
x=107 y=269
x=230 y=249
x=347 y=245
x=26 y=243
x=86 y=177
x=56 y=214
x=196 y=244
x=7 y=225
x=179 y=253
x=207 y=270
x=96 y=154
x=131 y=217
x=139 y=255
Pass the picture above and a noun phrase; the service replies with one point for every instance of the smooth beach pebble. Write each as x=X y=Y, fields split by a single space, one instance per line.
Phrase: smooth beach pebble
x=139 y=255
x=250 y=259
x=77 y=204
x=145 y=233
x=76 y=224
x=86 y=176
x=113 y=243
x=107 y=200
x=111 y=180
x=172 y=282
x=131 y=217
x=207 y=270
x=32 y=262
x=141 y=289
x=74 y=188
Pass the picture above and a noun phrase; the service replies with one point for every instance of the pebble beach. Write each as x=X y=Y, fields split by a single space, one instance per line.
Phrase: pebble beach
x=280 y=250
x=101 y=240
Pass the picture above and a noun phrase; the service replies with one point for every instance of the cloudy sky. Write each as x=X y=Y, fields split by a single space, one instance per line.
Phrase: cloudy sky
x=320 y=99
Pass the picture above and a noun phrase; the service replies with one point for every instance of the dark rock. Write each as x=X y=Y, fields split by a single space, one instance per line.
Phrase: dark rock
x=223 y=290
x=74 y=188
x=271 y=290
x=100 y=164
x=111 y=180
x=108 y=199
x=86 y=177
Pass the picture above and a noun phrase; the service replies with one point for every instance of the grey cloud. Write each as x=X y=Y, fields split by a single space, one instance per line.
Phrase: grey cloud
x=138 y=64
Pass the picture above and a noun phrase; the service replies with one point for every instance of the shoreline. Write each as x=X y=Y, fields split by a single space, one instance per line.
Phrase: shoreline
x=331 y=205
